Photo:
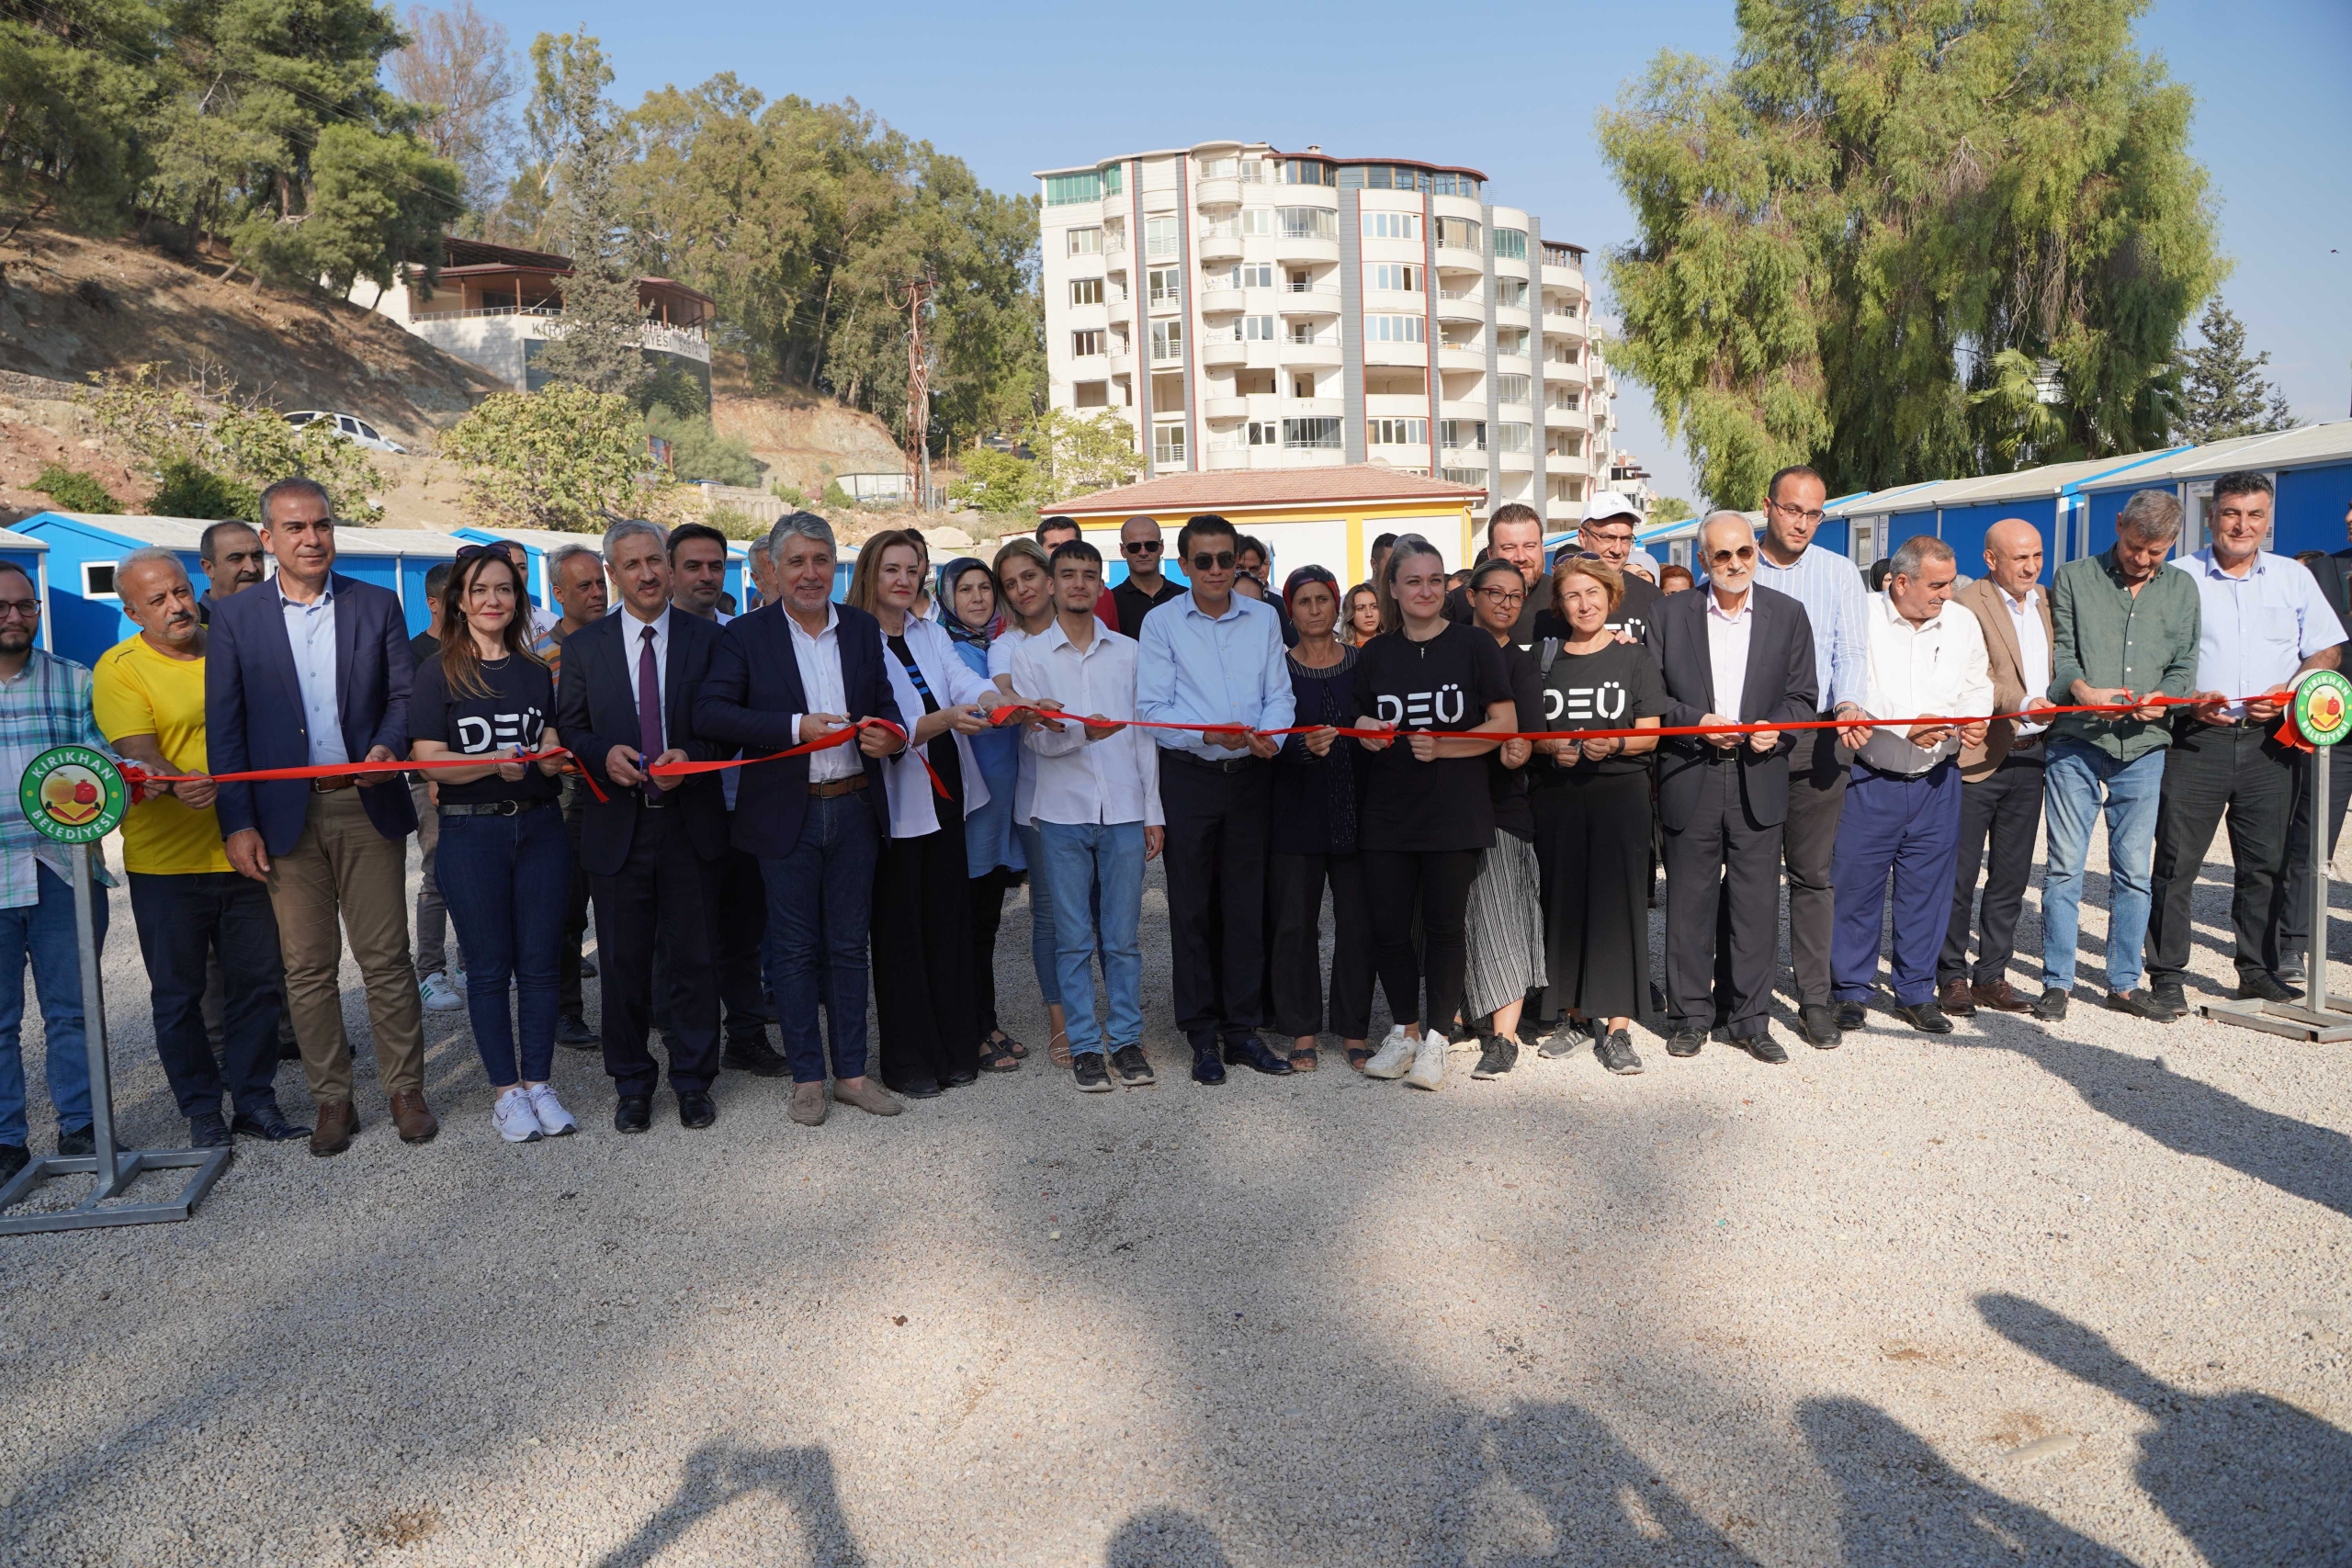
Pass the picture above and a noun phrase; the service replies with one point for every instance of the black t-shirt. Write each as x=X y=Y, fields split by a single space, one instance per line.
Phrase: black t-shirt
x=1133 y=604
x=1534 y=608
x=522 y=699
x=1633 y=611
x=1443 y=684
x=1514 y=815
x=1606 y=690
x=424 y=646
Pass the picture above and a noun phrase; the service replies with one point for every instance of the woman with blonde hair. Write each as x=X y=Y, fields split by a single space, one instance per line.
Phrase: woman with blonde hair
x=1360 y=624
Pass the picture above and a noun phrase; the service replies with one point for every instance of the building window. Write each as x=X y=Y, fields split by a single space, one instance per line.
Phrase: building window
x=1511 y=243
x=1086 y=242
x=1091 y=394
x=1220 y=168
x=1396 y=279
x=1309 y=223
x=1302 y=331
x=1510 y=291
x=1306 y=432
x=1254 y=329
x=1114 y=179
x=1456 y=185
x=1253 y=172
x=1251 y=275
x=1510 y=340
x=1166 y=443
x=1257 y=220
x=1399 y=431
x=1304 y=171
x=1392 y=225
x=1086 y=291
x=1086 y=343
x=1513 y=438
x=1462 y=434
x=1264 y=432
x=1510 y=388
x=1459 y=233
x=1167 y=340
x=1063 y=189
x=1564 y=397
x=1301 y=384
x=1159 y=236
x=1395 y=328
x=1465 y=477
x=1563 y=354
x=1165 y=285
x=1558 y=255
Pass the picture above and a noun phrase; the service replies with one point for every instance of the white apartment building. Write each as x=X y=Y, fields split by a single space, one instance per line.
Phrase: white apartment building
x=1248 y=308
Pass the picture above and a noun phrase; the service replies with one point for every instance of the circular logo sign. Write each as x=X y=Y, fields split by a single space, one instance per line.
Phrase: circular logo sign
x=73 y=794
x=2324 y=707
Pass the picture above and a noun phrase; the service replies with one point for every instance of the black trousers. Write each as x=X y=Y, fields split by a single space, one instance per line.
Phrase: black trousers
x=2291 y=931
x=1218 y=824
x=1592 y=844
x=2217 y=770
x=2003 y=810
x=1818 y=770
x=1435 y=885
x=1294 y=892
x=575 y=907
x=1722 y=861
x=923 y=1000
x=987 y=891
x=184 y=920
x=663 y=900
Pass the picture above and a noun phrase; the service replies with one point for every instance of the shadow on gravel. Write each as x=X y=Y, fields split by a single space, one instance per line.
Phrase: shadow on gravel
x=719 y=1474
x=1901 y=1503
x=1165 y=1538
x=2251 y=1480
x=2191 y=1117
x=1600 y=1502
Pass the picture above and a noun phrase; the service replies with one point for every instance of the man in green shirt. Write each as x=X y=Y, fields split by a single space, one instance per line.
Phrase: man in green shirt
x=2126 y=628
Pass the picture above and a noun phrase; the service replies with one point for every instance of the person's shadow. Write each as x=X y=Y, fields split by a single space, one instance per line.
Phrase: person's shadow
x=718 y=1473
x=1165 y=1538
x=1602 y=1502
x=2251 y=1480
x=1902 y=1504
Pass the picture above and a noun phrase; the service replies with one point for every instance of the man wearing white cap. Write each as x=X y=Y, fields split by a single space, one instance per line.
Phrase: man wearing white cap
x=1610 y=520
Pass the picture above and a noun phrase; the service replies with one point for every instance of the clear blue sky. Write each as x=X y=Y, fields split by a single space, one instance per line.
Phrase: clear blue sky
x=1511 y=89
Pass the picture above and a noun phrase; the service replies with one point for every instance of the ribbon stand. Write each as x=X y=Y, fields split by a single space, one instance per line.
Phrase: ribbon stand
x=2323 y=716
x=114 y=1168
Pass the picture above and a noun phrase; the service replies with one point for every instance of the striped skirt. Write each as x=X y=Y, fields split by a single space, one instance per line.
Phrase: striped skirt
x=1504 y=928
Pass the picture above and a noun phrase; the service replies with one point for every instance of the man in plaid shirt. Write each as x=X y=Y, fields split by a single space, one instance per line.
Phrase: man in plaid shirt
x=44 y=703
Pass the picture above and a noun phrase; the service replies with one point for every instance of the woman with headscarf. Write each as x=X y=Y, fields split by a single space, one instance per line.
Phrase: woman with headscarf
x=967 y=613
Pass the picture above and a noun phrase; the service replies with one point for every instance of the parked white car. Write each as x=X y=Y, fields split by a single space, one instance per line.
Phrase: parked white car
x=350 y=427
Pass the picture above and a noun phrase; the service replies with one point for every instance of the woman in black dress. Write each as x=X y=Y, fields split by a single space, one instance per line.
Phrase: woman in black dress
x=1314 y=839
x=1592 y=819
x=1428 y=813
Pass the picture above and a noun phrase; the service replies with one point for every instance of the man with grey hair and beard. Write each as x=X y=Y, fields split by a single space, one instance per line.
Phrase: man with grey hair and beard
x=2124 y=630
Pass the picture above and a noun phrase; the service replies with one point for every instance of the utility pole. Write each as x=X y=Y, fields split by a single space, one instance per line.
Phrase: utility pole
x=918 y=396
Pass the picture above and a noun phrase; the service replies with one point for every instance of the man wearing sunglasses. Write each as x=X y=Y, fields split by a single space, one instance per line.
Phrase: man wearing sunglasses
x=1147 y=587
x=1213 y=657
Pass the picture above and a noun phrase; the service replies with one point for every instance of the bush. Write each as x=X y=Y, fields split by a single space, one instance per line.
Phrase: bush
x=788 y=494
x=697 y=452
x=999 y=481
x=562 y=459
x=735 y=522
x=75 y=491
x=837 y=497
x=189 y=490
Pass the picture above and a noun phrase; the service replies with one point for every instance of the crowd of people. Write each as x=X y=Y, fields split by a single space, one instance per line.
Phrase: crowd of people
x=1460 y=760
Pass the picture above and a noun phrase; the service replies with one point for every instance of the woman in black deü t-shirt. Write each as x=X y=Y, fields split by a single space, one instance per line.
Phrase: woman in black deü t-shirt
x=503 y=863
x=1592 y=818
x=1428 y=813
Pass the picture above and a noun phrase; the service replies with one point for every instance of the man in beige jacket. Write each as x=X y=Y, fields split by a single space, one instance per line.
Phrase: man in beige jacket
x=2000 y=799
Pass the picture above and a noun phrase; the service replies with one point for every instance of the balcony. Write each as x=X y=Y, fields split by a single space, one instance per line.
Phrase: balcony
x=1452 y=255
x=1316 y=299
x=1563 y=277
x=1566 y=418
x=1219 y=242
x=1225 y=408
x=1223 y=352
x=1565 y=324
x=1460 y=305
x=1122 y=359
x=1309 y=355
x=1462 y=356
x=1401 y=354
x=1119 y=310
x=1223 y=191
x=1309 y=249
x=1511 y=316
x=1222 y=302
x=1227 y=454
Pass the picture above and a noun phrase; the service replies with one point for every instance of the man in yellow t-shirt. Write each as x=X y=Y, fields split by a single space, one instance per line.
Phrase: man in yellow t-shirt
x=188 y=900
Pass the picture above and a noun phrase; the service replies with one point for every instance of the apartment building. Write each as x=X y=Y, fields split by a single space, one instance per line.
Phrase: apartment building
x=1244 y=308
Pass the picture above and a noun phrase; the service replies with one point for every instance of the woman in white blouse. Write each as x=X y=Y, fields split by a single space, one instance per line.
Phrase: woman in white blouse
x=925 y=1003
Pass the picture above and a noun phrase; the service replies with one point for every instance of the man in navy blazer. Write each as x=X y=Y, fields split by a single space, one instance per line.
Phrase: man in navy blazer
x=625 y=702
x=1731 y=652
x=789 y=673
x=310 y=670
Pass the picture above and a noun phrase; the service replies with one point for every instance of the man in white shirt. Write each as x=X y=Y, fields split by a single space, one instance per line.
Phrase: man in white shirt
x=2000 y=779
x=1902 y=810
x=1096 y=805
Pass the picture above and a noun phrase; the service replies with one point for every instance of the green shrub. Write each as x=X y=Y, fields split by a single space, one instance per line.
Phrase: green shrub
x=189 y=490
x=735 y=522
x=837 y=497
x=75 y=491
x=697 y=452
x=788 y=494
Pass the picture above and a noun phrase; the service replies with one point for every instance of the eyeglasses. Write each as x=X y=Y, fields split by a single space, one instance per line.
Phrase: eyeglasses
x=498 y=550
x=1221 y=561
x=1611 y=535
x=1724 y=557
x=1501 y=596
x=1788 y=511
x=1141 y=547
x=22 y=609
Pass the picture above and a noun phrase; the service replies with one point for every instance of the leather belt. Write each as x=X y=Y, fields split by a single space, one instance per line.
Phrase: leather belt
x=1232 y=765
x=832 y=787
x=495 y=809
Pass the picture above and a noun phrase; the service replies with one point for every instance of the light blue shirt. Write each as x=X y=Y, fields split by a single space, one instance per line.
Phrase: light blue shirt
x=1191 y=668
x=310 y=632
x=2255 y=631
x=1835 y=600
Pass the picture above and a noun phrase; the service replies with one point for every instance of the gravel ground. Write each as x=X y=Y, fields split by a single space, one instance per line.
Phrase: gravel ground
x=2050 y=1295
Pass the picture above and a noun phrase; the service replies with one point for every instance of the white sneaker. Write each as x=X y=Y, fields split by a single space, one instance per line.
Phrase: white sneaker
x=439 y=994
x=554 y=1120
x=1395 y=1054
x=1429 y=1063
x=516 y=1120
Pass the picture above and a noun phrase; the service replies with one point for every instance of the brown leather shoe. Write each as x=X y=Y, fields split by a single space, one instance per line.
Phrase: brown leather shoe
x=338 y=1119
x=869 y=1097
x=809 y=1104
x=1953 y=997
x=410 y=1115
x=2000 y=996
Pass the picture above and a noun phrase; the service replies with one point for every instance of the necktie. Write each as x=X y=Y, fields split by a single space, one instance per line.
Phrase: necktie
x=649 y=705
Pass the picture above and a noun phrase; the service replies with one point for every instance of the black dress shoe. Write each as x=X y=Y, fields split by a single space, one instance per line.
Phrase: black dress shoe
x=207 y=1131
x=695 y=1109
x=1927 y=1018
x=2256 y=986
x=289 y=1050
x=1822 y=1028
x=270 y=1125
x=1206 y=1067
x=1852 y=1015
x=633 y=1115
x=80 y=1141
x=2143 y=1004
x=14 y=1158
x=914 y=1089
x=960 y=1075
x=2051 y=1007
x=572 y=1029
x=1249 y=1051
x=1685 y=1042
x=1764 y=1048
x=753 y=1054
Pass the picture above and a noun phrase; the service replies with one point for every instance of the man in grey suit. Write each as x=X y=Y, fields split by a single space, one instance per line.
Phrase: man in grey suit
x=1730 y=653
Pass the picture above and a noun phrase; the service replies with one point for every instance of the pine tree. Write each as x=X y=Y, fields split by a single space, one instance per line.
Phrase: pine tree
x=597 y=342
x=2222 y=392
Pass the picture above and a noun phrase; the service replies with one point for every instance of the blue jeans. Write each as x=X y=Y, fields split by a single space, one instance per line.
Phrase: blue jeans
x=820 y=905
x=1044 y=950
x=2080 y=781
x=505 y=880
x=44 y=933
x=1087 y=863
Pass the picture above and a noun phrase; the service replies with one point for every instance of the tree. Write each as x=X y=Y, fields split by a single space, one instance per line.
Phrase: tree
x=999 y=481
x=597 y=342
x=78 y=80
x=564 y=457
x=698 y=452
x=1670 y=509
x=459 y=65
x=213 y=449
x=2224 y=393
x=1077 y=456
x=1840 y=234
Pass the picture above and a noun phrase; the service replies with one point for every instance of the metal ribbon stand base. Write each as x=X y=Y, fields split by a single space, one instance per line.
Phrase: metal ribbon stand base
x=2322 y=1015
x=115 y=1168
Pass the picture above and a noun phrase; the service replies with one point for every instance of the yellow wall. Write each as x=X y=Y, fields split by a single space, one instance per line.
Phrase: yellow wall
x=1449 y=525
